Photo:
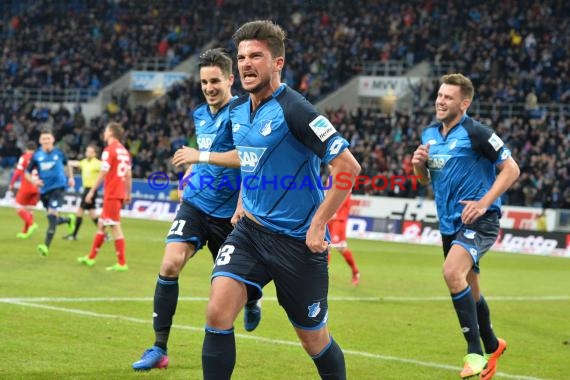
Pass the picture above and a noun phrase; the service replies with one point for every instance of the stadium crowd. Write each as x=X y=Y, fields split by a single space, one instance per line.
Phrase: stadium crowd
x=523 y=60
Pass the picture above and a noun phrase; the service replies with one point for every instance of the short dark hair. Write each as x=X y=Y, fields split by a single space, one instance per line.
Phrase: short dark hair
x=263 y=30
x=456 y=79
x=218 y=57
x=46 y=131
x=116 y=130
x=30 y=145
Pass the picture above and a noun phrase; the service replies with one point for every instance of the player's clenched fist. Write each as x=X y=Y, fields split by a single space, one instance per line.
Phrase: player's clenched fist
x=420 y=156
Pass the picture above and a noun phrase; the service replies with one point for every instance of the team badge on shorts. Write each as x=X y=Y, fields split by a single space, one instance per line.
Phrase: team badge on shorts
x=314 y=309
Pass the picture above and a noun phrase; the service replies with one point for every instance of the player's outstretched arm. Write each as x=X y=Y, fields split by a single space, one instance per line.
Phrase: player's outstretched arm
x=188 y=156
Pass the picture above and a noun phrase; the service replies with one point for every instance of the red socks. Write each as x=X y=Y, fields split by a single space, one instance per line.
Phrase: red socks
x=120 y=250
x=347 y=253
x=27 y=217
x=97 y=243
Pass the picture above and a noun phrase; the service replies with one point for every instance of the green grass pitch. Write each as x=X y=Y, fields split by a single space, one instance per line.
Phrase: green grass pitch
x=61 y=320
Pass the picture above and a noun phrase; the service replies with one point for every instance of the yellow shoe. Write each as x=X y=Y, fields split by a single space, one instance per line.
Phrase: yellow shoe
x=473 y=365
x=31 y=230
x=86 y=260
x=43 y=249
x=492 y=360
x=118 y=268
x=28 y=233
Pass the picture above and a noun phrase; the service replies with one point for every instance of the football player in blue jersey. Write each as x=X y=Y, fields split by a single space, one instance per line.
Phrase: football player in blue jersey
x=280 y=141
x=469 y=167
x=54 y=175
x=206 y=209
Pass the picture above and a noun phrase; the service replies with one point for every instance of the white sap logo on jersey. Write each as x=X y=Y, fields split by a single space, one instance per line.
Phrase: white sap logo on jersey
x=46 y=165
x=205 y=141
x=235 y=127
x=438 y=161
x=202 y=123
x=249 y=157
x=322 y=127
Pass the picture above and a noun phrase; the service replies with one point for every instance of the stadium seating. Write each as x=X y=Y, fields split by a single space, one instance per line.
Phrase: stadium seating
x=83 y=45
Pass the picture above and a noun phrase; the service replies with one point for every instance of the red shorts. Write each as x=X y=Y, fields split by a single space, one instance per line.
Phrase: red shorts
x=337 y=229
x=26 y=198
x=111 y=214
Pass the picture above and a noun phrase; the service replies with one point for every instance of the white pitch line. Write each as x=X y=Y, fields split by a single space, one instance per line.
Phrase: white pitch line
x=256 y=338
x=272 y=298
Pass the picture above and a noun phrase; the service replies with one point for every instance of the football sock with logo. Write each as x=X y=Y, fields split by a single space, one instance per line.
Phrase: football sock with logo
x=52 y=225
x=330 y=362
x=467 y=314
x=165 y=300
x=488 y=336
x=218 y=354
x=78 y=222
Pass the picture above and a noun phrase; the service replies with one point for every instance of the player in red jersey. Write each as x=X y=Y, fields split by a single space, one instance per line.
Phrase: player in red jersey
x=28 y=194
x=337 y=229
x=117 y=176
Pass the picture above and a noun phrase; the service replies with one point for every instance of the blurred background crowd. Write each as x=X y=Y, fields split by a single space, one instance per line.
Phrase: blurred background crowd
x=516 y=52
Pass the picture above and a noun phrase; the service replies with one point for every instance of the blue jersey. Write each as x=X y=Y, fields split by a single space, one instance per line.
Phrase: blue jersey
x=213 y=189
x=281 y=146
x=51 y=169
x=462 y=167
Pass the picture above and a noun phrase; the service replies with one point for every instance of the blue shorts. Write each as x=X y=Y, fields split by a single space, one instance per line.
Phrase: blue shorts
x=477 y=238
x=192 y=225
x=53 y=199
x=254 y=255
